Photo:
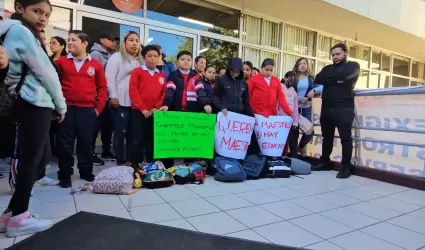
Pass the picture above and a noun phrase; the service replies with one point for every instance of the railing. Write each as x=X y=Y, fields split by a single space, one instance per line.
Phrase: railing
x=394 y=135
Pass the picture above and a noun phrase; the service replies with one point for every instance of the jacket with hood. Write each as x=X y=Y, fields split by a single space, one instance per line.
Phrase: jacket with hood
x=264 y=96
x=185 y=92
x=100 y=54
x=41 y=86
x=232 y=94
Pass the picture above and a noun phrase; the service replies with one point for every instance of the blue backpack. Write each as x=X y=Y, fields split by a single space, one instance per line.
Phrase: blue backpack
x=228 y=170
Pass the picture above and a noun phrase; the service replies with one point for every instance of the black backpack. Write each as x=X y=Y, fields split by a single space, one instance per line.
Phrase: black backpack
x=255 y=166
x=8 y=98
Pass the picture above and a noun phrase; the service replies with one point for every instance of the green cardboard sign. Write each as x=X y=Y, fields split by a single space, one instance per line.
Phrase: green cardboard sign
x=183 y=135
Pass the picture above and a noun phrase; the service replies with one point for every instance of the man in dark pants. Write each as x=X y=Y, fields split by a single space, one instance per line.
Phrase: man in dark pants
x=338 y=80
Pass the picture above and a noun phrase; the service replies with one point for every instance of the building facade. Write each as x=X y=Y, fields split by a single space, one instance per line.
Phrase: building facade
x=386 y=37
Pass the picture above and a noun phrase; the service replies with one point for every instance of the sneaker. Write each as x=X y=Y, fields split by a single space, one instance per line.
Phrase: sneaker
x=87 y=177
x=46 y=181
x=97 y=161
x=344 y=172
x=322 y=167
x=65 y=184
x=108 y=157
x=4 y=219
x=26 y=223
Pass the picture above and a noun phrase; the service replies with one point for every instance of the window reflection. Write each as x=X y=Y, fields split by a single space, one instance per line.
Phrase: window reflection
x=299 y=41
x=196 y=15
x=360 y=54
x=252 y=55
x=400 y=82
x=401 y=65
x=275 y=57
x=418 y=70
x=217 y=52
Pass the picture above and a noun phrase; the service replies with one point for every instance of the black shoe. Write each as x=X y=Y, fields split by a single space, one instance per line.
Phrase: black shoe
x=87 y=177
x=65 y=183
x=97 y=161
x=108 y=157
x=322 y=167
x=344 y=172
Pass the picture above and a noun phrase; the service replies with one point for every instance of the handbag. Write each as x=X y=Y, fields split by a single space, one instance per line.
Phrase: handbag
x=306 y=126
x=8 y=99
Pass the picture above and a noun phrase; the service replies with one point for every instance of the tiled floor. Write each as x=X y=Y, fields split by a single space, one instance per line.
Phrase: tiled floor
x=314 y=212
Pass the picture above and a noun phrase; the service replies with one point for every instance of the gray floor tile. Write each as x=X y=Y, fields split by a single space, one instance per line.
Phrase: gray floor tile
x=309 y=189
x=208 y=191
x=397 y=205
x=324 y=245
x=337 y=199
x=178 y=193
x=218 y=223
x=396 y=235
x=154 y=213
x=253 y=216
x=285 y=233
x=377 y=212
x=313 y=204
x=286 y=210
x=321 y=226
x=258 y=197
x=410 y=222
x=359 y=193
x=227 y=202
x=350 y=218
x=360 y=241
x=413 y=196
x=194 y=207
x=418 y=213
x=285 y=193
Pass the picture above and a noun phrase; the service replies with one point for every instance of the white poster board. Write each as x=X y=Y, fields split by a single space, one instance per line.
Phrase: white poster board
x=233 y=134
x=271 y=133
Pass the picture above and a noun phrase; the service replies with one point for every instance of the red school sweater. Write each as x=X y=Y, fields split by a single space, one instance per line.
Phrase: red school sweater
x=264 y=97
x=147 y=91
x=84 y=88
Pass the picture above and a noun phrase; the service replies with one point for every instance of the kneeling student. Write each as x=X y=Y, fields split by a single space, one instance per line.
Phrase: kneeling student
x=147 y=86
x=84 y=88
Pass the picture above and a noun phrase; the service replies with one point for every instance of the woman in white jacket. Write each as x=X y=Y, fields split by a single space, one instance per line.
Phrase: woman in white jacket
x=118 y=71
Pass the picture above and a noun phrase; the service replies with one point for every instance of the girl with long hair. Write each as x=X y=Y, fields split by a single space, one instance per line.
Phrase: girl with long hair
x=57 y=47
x=40 y=94
x=303 y=83
x=118 y=72
x=247 y=70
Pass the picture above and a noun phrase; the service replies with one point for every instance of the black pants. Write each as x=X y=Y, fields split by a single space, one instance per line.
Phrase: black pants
x=106 y=128
x=342 y=119
x=142 y=131
x=293 y=142
x=253 y=148
x=79 y=124
x=34 y=151
x=7 y=135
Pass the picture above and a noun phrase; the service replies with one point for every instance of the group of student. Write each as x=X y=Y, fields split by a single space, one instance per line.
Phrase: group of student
x=132 y=84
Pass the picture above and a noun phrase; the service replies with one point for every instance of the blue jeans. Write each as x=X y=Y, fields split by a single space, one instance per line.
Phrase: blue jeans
x=295 y=133
x=121 y=118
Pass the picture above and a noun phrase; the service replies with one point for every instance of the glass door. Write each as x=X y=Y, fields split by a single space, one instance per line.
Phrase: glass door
x=96 y=25
x=172 y=42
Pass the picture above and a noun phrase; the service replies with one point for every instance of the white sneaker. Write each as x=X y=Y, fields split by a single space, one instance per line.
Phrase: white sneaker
x=4 y=219
x=46 y=181
x=26 y=223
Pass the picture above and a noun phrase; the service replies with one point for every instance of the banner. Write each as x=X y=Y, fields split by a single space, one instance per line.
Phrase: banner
x=272 y=133
x=233 y=134
x=183 y=135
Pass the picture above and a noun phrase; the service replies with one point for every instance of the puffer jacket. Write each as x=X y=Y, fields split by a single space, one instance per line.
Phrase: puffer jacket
x=232 y=93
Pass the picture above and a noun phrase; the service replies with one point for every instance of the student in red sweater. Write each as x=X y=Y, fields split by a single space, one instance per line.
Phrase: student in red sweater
x=147 y=86
x=265 y=91
x=84 y=88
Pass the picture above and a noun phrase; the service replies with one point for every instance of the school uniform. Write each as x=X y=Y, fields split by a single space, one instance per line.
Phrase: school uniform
x=84 y=88
x=146 y=93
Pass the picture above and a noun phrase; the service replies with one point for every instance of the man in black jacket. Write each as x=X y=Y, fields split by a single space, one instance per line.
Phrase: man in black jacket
x=230 y=92
x=338 y=80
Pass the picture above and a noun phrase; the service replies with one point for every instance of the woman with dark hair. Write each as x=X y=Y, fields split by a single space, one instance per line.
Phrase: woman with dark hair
x=303 y=83
x=40 y=94
x=163 y=65
x=247 y=70
x=57 y=47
